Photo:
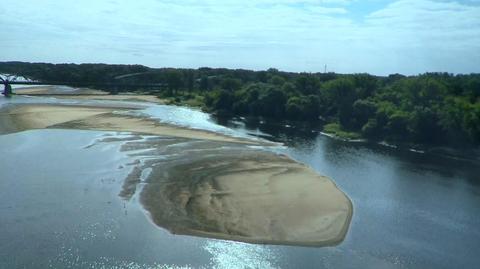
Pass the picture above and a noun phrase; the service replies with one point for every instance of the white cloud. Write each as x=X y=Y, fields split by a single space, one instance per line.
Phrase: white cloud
x=405 y=36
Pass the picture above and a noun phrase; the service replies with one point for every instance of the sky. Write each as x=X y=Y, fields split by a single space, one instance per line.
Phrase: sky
x=348 y=36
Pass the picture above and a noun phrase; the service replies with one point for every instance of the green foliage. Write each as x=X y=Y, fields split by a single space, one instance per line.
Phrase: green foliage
x=371 y=129
x=204 y=83
x=220 y=100
x=231 y=84
x=337 y=130
x=433 y=108
x=174 y=79
x=303 y=107
x=340 y=95
x=362 y=111
x=277 y=80
x=398 y=125
x=191 y=100
x=307 y=84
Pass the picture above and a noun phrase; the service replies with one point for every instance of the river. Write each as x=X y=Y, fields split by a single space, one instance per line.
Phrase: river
x=60 y=208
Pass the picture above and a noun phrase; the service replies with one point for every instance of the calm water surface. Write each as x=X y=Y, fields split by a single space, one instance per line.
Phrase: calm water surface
x=59 y=206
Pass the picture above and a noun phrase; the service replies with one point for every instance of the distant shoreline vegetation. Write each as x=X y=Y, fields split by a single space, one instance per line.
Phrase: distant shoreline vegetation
x=429 y=109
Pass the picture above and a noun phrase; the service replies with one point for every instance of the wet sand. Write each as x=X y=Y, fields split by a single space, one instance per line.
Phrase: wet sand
x=207 y=184
x=118 y=97
x=256 y=198
x=49 y=90
x=25 y=117
x=21 y=117
x=85 y=94
x=229 y=191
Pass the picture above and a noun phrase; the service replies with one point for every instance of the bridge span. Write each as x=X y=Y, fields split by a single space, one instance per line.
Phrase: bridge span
x=8 y=91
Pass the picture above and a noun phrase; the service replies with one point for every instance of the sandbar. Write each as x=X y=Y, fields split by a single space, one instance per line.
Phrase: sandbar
x=60 y=90
x=21 y=117
x=208 y=184
x=244 y=195
x=85 y=94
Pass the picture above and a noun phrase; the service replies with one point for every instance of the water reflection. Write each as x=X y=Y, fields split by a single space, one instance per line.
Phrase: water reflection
x=278 y=131
x=411 y=210
x=233 y=255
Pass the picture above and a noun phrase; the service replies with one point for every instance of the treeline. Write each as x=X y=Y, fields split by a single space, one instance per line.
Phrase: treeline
x=433 y=108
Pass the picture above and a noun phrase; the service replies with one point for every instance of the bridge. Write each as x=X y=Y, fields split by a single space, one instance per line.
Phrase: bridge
x=8 y=82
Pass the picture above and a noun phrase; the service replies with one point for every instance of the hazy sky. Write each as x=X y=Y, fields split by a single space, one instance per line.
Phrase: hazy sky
x=375 y=36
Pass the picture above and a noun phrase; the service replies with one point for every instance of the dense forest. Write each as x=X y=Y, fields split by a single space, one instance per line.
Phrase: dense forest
x=432 y=108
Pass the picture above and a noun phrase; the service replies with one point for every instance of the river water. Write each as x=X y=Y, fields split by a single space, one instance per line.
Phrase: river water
x=59 y=205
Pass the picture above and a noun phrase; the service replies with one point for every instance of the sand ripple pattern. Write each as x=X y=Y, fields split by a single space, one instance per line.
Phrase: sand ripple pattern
x=232 y=191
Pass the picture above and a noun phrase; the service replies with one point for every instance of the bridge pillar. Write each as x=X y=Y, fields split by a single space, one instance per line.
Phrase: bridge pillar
x=7 y=90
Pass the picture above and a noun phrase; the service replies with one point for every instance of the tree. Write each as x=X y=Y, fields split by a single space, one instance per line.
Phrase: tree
x=273 y=103
x=174 y=79
x=371 y=129
x=398 y=125
x=277 y=80
x=341 y=94
x=304 y=107
x=231 y=84
x=289 y=89
x=423 y=122
x=294 y=108
x=307 y=84
x=204 y=84
x=365 y=84
x=472 y=89
x=362 y=111
x=189 y=76
x=451 y=118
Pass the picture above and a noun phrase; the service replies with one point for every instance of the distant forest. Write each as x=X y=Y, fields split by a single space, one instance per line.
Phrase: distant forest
x=432 y=108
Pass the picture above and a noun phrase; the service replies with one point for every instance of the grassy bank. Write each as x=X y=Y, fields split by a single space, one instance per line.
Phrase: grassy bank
x=336 y=130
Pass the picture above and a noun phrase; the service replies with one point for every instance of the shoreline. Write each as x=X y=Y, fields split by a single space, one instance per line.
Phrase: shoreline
x=459 y=154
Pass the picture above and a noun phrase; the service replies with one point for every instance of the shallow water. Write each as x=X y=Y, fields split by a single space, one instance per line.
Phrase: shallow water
x=411 y=210
x=59 y=207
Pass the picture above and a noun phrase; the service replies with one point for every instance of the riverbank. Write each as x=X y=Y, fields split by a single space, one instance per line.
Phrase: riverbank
x=207 y=184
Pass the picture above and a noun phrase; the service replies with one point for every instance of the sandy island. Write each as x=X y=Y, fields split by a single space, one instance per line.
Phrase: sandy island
x=215 y=185
x=242 y=194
